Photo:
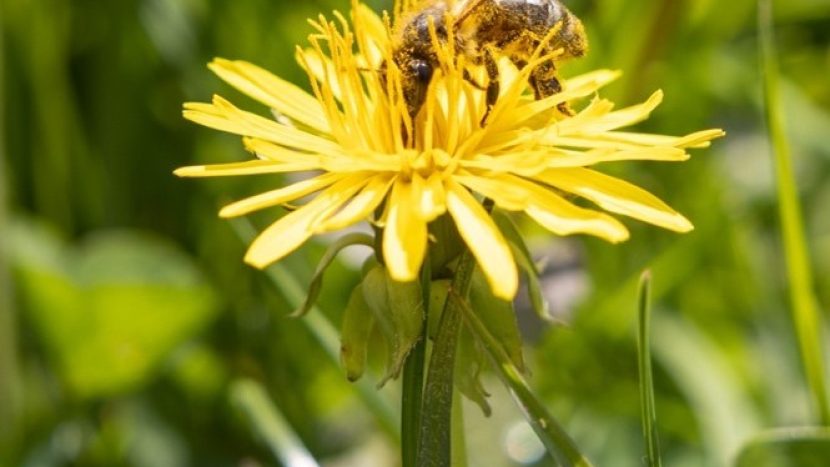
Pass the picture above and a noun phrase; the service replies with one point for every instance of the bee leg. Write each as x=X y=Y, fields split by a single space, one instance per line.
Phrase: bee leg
x=474 y=82
x=492 y=83
x=545 y=83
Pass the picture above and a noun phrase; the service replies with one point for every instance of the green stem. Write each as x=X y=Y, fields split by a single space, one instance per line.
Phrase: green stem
x=805 y=313
x=561 y=447
x=435 y=441
x=413 y=383
x=648 y=412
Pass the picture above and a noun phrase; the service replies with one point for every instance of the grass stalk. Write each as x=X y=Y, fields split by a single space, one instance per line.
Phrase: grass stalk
x=270 y=425
x=807 y=320
x=647 y=409
x=8 y=325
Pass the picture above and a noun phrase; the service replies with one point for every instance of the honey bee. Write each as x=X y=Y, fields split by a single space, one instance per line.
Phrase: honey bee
x=482 y=28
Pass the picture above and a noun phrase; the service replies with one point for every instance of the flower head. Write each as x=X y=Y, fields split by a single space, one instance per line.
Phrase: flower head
x=361 y=151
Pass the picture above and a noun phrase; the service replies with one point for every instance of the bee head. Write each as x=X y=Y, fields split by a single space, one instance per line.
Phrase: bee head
x=416 y=74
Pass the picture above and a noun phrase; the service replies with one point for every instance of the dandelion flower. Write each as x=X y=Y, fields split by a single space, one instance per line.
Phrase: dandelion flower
x=362 y=153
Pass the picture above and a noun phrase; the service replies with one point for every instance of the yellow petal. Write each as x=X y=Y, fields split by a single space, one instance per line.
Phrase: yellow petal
x=575 y=89
x=272 y=91
x=224 y=116
x=360 y=207
x=559 y=216
x=699 y=139
x=320 y=67
x=596 y=156
x=618 y=119
x=292 y=230
x=600 y=77
x=518 y=162
x=485 y=241
x=617 y=196
x=429 y=196
x=253 y=167
x=499 y=188
x=274 y=152
x=369 y=26
x=405 y=235
x=278 y=196
x=283 y=236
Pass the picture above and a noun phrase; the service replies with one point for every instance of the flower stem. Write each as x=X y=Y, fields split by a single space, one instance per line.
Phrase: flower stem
x=435 y=440
x=413 y=384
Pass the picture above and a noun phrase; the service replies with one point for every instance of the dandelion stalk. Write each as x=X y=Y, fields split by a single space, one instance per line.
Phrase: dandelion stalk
x=435 y=441
x=413 y=384
x=807 y=320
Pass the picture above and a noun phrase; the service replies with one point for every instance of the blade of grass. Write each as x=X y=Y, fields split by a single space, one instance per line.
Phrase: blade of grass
x=8 y=326
x=269 y=424
x=648 y=412
x=805 y=313
x=320 y=327
x=559 y=445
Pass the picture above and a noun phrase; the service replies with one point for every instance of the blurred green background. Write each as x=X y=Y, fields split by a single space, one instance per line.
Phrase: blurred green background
x=127 y=318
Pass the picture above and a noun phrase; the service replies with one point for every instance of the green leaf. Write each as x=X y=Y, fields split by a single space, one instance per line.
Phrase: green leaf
x=787 y=447
x=354 y=335
x=120 y=301
x=331 y=253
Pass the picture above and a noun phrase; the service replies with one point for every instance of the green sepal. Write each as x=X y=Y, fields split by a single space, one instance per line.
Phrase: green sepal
x=437 y=297
x=354 y=334
x=523 y=258
x=399 y=310
x=469 y=363
x=498 y=317
x=317 y=279
x=447 y=245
